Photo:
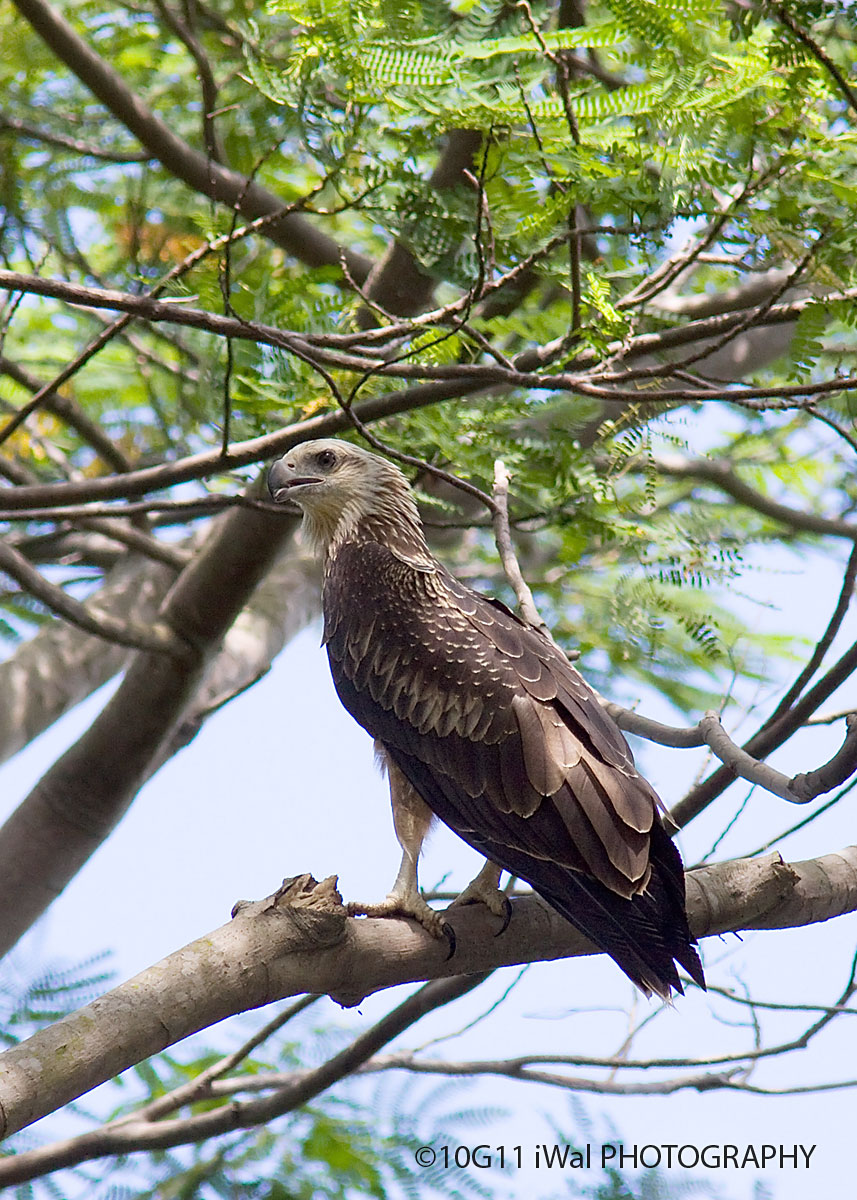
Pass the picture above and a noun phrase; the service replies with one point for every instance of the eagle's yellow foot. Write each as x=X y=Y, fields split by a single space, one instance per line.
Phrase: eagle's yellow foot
x=408 y=904
x=485 y=889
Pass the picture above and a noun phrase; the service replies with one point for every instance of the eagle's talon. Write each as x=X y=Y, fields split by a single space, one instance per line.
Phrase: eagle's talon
x=485 y=889
x=412 y=906
x=452 y=941
x=507 y=915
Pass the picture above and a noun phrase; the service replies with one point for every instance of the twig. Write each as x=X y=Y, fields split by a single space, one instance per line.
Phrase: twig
x=182 y=510
x=511 y=567
x=419 y=464
x=75 y=145
x=822 y=808
x=156 y=637
x=70 y=411
x=802 y=36
x=116 y=327
x=207 y=83
x=293 y=232
x=829 y=718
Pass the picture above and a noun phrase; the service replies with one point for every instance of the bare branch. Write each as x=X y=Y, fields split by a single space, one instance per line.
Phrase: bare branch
x=709 y=732
x=527 y=373
x=75 y=145
x=768 y=738
x=744 y=766
x=149 y=479
x=511 y=567
x=511 y=1069
x=200 y=1087
x=835 y=772
x=830 y=718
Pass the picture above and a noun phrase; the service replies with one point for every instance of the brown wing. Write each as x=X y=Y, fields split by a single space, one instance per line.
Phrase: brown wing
x=502 y=738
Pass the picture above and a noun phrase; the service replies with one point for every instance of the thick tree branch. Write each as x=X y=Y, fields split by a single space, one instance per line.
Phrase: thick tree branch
x=142 y=1131
x=292 y=231
x=286 y=600
x=300 y=940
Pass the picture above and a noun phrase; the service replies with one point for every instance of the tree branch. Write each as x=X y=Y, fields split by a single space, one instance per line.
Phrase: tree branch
x=301 y=939
x=768 y=738
x=87 y=149
x=70 y=411
x=511 y=567
x=141 y=1130
x=723 y=477
x=816 y=51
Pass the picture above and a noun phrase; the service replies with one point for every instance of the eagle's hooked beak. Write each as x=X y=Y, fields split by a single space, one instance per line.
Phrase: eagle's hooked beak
x=282 y=478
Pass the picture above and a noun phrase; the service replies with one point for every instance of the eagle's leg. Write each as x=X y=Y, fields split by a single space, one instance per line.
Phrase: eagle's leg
x=412 y=819
x=485 y=889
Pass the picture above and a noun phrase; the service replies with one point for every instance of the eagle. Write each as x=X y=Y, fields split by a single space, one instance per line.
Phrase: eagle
x=481 y=720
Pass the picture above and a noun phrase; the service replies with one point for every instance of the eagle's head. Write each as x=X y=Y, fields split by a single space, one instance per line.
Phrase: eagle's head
x=344 y=489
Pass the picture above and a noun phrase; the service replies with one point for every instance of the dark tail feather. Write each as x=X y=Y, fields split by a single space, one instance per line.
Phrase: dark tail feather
x=645 y=936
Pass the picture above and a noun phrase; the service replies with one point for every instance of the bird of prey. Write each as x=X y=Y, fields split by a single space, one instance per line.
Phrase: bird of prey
x=483 y=722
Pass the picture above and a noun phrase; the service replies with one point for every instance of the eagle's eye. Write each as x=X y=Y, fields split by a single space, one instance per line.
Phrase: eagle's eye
x=326 y=458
